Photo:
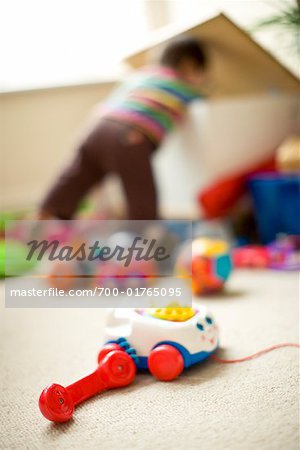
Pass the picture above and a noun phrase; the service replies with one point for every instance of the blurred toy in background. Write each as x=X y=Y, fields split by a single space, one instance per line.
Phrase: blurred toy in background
x=269 y=193
x=218 y=199
x=12 y=251
x=211 y=265
x=288 y=155
x=11 y=223
x=251 y=256
x=13 y=260
x=208 y=261
x=276 y=199
x=114 y=274
x=66 y=275
x=59 y=231
x=228 y=199
x=15 y=229
x=282 y=254
x=95 y=272
x=285 y=253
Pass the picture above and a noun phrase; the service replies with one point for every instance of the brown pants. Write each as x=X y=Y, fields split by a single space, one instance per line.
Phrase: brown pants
x=111 y=147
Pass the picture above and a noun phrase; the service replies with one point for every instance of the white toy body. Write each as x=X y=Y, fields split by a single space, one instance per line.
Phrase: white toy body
x=139 y=333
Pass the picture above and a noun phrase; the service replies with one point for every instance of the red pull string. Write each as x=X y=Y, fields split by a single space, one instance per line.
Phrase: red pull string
x=255 y=355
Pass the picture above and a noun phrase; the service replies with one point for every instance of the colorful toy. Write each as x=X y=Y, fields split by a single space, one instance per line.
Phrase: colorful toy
x=13 y=260
x=162 y=340
x=137 y=274
x=116 y=369
x=114 y=274
x=250 y=256
x=275 y=197
x=218 y=199
x=151 y=335
x=209 y=262
x=283 y=254
x=11 y=224
x=97 y=273
x=65 y=275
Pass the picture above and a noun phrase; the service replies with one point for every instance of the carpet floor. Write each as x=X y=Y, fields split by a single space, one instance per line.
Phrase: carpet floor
x=252 y=405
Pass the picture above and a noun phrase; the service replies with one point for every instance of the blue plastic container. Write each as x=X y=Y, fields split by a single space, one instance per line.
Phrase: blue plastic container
x=276 y=200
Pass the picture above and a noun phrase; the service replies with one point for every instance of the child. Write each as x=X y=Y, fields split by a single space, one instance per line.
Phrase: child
x=131 y=126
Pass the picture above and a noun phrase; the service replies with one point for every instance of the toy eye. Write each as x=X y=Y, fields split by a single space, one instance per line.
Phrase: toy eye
x=200 y=326
x=209 y=320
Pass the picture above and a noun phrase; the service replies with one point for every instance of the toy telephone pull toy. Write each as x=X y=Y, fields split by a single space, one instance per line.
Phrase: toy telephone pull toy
x=115 y=369
x=162 y=340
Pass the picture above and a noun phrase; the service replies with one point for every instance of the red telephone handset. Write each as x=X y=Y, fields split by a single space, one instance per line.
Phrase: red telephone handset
x=116 y=369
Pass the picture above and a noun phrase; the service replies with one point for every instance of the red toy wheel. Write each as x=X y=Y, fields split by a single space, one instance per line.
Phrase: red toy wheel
x=107 y=349
x=56 y=403
x=165 y=362
x=118 y=368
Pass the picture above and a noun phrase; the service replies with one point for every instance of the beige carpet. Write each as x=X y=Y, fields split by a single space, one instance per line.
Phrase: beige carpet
x=253 y=405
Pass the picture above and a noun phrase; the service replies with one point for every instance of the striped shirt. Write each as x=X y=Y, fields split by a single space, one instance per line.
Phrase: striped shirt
x=153 y=101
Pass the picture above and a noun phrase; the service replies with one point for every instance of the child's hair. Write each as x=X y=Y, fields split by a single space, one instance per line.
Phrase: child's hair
x=184 y=48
